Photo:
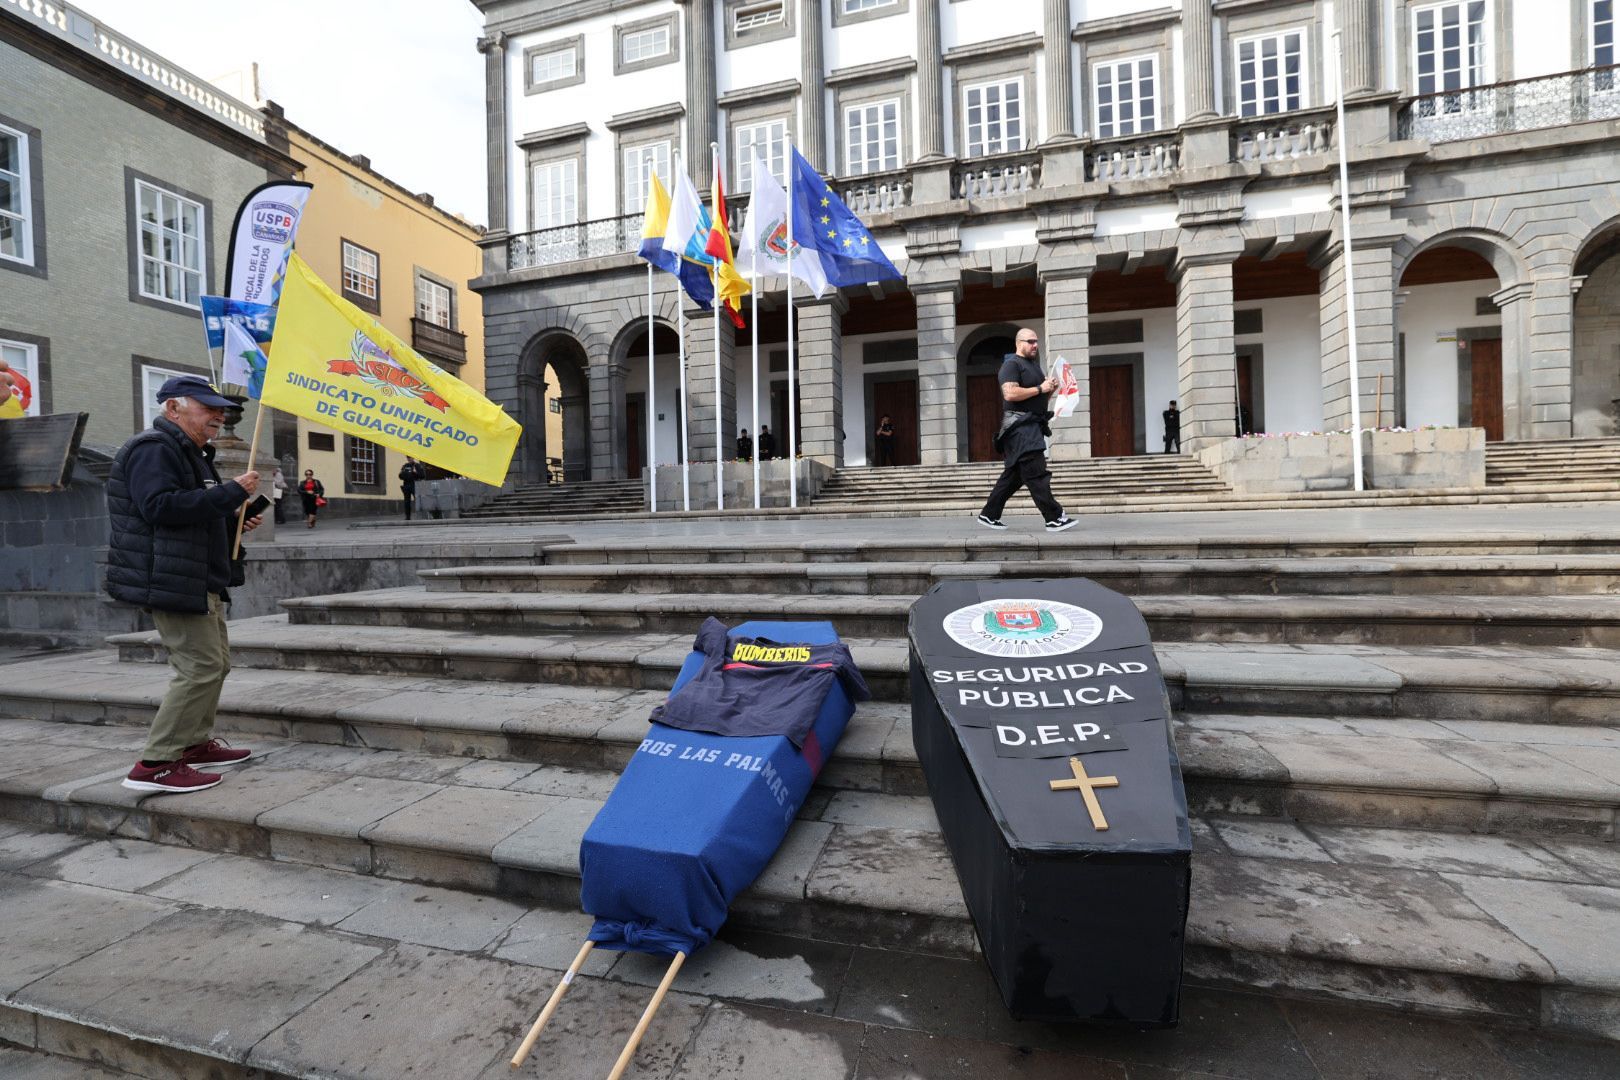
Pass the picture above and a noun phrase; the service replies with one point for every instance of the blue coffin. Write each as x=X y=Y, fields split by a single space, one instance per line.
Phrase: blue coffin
x=696 y=817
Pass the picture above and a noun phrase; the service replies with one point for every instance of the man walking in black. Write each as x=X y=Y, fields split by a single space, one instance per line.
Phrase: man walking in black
x=1172 y=428
x=1022 y=438
x=409 y=473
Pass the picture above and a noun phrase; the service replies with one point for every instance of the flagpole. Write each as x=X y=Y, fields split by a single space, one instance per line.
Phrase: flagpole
x=753 y=290
x=792 y=398
x=1349 y=261
x=719 y=436
x=253 y=452
x=652 y=432
x=686 y=442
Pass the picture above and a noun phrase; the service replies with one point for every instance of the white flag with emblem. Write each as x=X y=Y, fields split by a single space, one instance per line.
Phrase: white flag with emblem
x=765 y=235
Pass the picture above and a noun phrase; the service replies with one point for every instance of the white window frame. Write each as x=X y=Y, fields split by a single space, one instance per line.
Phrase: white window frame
x=570 y=51
x=25 y=186
x=773 y=133
x=1142 y=123
x=27 y=365
x=1005 y=142
x=1258 y=86
x=1487 y=66
x=1592 y=41
x=751 y=17
x=356 y=452
x=636 y=171
x=652 y=33
x=870 y=113
x=428 y=306
x=858 y=7
x=142 y=259
x=152 y=380
x=355 y=277
x=566 y=202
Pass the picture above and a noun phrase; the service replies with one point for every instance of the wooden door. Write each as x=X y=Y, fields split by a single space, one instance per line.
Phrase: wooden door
x=983 y=416
x=1485 y=364
x=635 y=454
x=1245 y=394
x=898 y=399
x=1113 y=411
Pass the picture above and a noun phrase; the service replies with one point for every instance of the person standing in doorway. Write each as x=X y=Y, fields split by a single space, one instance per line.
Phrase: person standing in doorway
x=1022 y=437
x=278 y=488
x=767 y=443
x=883 y=437
x=745 y=446
x=409 y=474
x=1172 y=429
x=312 y=494
x=169 y=553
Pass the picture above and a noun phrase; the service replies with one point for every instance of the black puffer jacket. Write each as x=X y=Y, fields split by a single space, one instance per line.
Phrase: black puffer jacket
x=171 y=529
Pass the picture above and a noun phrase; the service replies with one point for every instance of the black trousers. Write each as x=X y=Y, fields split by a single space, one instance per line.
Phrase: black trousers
x=1172 y=437
x=1028 y=471
x=885 y=449
x=410 y=502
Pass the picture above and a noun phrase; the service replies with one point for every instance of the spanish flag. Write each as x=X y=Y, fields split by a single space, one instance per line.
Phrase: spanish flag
x=729 y=285
x=332 y=363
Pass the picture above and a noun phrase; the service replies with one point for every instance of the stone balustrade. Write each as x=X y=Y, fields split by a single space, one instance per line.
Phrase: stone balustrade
x=1136 y=159
x=877 y=193
x=994 y=177
x=1282 y=138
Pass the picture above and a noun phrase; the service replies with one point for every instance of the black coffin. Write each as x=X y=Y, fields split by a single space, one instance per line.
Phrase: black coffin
x=1015 y=686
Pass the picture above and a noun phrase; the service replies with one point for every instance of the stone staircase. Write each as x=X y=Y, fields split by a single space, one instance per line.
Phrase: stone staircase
x=1073 y=482
x=1403 y=758
x=579 y=499
x=1565 y=461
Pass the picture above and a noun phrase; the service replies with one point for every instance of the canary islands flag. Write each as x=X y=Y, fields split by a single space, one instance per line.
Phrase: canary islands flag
x=335 y=365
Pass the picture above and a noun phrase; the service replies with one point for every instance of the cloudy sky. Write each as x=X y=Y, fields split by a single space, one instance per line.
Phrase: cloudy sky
x=396 y=80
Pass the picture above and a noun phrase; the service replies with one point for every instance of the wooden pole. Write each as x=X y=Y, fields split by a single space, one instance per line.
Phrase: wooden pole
x=646 y=1018
x=253 y=452
x=551 y=1004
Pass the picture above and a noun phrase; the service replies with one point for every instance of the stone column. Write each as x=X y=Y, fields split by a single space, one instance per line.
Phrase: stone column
x=576 y=447
x=709 y=405
x=701 y=108
x=1059 y=72
x=1537 y=358
x=937 y=439
x=821 y=378
x=531 y=411
x=495 y=141
x=608 y=421
x=1359 y=44
x=1206 y=370
x=1068 y=334
x=930 y=82
x=813 y=70
x=1375 y=333
x=1198 y=44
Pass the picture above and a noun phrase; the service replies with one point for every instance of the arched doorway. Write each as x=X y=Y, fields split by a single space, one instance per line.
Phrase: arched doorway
x=1449 y=363
x=632 y=437
x=555 y=410
x=1595 y=393
x=979 y=360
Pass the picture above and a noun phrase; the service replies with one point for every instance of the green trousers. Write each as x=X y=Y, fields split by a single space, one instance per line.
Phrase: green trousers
x=200 y=653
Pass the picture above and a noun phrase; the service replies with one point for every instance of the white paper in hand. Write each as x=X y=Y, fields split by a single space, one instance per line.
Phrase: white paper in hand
x=1067 y=395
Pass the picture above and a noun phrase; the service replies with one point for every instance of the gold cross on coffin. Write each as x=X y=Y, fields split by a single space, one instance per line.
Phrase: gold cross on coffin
x=1086 y=785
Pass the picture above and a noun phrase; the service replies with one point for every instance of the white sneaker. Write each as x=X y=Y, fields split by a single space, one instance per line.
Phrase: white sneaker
x=991 y=523
x=1064 y=522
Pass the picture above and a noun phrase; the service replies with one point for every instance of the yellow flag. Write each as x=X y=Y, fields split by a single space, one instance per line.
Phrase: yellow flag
x=332 y=363
x=11 y=408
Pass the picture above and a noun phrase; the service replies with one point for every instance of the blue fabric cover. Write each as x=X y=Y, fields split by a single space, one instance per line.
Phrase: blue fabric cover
x=695 y=817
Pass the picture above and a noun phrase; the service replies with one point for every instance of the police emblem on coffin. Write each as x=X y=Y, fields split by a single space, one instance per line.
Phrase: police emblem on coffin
x=1020 y=628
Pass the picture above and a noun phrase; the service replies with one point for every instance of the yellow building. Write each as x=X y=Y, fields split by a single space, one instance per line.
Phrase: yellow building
x=393 y=254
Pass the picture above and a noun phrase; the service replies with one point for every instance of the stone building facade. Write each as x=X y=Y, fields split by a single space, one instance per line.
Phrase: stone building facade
x=120 y=175
x=1154 y=189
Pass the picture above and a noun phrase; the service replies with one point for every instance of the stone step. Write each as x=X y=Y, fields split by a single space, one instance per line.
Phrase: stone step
x=1472 y=776
x=1408 y=575
x=1582 y=621
x=1508 y=683
x=1481 y=926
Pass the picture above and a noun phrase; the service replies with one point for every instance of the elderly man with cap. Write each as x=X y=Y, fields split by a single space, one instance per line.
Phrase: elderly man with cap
x=170 y=552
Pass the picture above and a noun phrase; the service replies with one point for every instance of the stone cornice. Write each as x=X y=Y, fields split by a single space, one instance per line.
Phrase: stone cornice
x=881 y=69
x=553 y=135
x=1125 y=24
x=985 y=50
x=673 y=110
x=554 y=15
x=764 y=92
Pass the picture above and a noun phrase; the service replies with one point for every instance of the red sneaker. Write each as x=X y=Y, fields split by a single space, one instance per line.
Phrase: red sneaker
x=213 y=752
x=175 y=776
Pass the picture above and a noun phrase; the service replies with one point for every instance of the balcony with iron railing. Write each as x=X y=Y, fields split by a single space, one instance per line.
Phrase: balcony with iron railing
x=1573 y=97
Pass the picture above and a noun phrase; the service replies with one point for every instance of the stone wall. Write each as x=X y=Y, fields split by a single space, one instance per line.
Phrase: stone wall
x=1430 y=458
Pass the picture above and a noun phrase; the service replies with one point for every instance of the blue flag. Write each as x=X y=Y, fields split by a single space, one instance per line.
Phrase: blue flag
x=829 y=231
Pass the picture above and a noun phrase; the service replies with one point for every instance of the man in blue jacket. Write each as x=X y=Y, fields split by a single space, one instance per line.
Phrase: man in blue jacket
x=169 y=552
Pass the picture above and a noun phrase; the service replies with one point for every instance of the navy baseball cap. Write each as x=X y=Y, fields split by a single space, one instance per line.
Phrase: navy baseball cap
x=196 y=388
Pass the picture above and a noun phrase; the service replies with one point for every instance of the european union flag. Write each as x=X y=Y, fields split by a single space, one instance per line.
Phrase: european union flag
x=823 y=225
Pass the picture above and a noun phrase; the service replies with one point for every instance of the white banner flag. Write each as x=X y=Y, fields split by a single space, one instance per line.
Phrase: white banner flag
x=1067 y=394
x=765 y=234
x=262 y=238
